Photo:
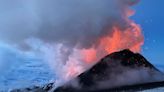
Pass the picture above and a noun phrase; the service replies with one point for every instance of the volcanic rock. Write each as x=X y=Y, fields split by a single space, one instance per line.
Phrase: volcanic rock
x=116 y=70
x=119 y=71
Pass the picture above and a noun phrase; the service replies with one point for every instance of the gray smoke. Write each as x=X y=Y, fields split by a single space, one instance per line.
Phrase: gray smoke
x=75 y=23
x=64 y=30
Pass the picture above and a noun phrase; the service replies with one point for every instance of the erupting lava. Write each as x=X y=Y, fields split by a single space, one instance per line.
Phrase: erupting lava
x=130 y=38
x=89 y=55
x=71 y=35
x=118 y=39
x=93 y=33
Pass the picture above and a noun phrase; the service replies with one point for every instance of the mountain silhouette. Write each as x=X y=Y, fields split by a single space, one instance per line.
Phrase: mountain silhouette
x=118 y=71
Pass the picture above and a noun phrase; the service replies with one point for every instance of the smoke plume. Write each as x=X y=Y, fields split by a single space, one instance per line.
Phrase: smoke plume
x=71 y=34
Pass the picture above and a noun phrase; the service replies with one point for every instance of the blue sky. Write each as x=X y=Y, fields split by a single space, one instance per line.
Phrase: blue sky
x=150 y=15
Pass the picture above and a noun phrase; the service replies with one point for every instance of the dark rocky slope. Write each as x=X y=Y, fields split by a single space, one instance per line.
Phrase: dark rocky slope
x=119 y=71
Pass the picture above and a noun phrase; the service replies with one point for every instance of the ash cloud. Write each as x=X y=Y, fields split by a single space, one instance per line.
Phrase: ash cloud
x=73 y=23
x=65 y=31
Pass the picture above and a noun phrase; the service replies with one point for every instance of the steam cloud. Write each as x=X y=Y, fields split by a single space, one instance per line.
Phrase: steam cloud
x=72 y=23
x=71 y=34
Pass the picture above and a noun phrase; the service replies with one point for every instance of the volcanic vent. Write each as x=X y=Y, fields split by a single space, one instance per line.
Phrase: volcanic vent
x=115 y=70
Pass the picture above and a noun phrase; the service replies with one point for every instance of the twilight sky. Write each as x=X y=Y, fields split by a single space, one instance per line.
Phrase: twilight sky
x=150 y=15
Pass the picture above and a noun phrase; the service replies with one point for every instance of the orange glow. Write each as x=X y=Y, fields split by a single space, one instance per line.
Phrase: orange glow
x=111 y=44
x=118 y=39
x=89 y=55
x=130 y=13
x=131 y=38
x=119 y=36
x=71 y=71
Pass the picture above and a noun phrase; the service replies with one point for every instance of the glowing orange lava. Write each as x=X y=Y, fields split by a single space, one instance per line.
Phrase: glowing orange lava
x=130 y=38
x=89 y=55
x=118 y=39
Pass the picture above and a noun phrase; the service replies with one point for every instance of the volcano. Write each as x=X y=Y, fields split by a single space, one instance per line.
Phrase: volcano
x=119 y=71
